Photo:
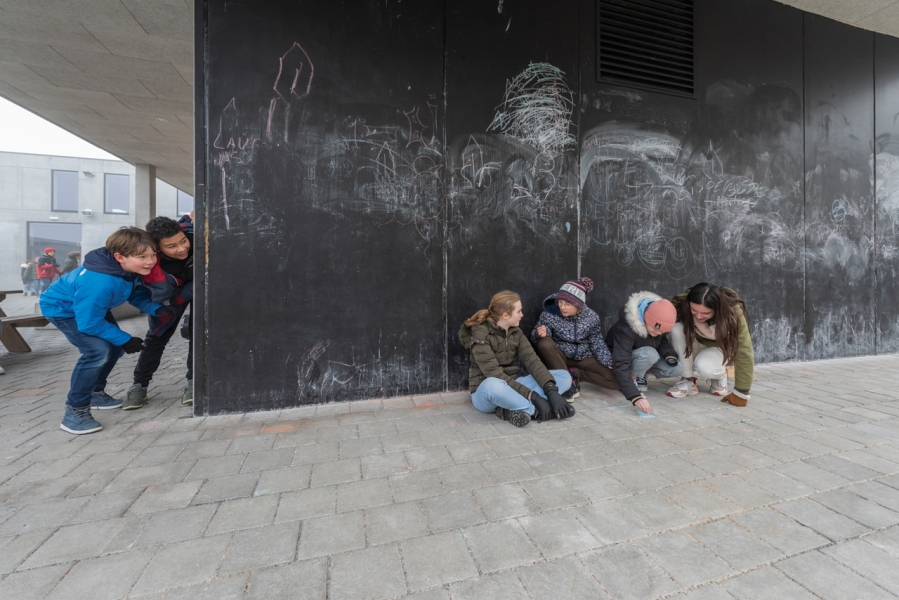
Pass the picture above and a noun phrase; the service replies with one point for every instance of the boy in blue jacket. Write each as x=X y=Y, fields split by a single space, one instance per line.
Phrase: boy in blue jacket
x=79 y=304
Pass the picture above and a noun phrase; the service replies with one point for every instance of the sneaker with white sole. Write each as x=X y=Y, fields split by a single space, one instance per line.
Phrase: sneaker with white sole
x=641 y=383
x=684 y=387
x=187 y=396
x=135 y=398
x=78 y=420
x=102 y=401
x=718 y=387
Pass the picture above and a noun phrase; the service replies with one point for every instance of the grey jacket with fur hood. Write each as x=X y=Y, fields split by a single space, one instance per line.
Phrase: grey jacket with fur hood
x=630 y=333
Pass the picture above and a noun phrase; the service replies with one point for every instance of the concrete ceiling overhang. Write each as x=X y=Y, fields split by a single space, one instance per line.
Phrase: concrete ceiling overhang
x=119 y=73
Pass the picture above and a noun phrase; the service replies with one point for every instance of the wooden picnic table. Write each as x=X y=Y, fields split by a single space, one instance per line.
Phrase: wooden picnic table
x=9 y=334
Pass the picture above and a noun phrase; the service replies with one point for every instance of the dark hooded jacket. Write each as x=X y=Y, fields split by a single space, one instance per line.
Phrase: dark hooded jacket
x=579 y=336
x=493 y=353
x=628 y=334
x=171 y=280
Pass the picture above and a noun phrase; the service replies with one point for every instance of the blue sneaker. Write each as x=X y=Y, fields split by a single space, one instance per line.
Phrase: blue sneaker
x=101 y=401
x=78 y=420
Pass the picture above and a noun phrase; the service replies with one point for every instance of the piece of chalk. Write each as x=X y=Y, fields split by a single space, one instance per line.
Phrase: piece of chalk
x=643 y=415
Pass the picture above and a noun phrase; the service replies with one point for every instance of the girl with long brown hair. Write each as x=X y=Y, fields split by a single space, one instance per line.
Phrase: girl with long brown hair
x=712 y=333
x=495 y=341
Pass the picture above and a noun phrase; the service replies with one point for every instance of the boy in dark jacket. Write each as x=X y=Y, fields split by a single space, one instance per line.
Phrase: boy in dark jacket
x=639 y=344
x=170 y=280
x=79 y=304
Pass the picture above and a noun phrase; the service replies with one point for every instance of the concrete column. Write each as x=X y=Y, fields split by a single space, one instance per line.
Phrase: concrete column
x=144 y=194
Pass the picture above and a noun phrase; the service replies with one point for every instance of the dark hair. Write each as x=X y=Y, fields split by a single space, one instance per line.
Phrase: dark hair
x=73 y=254
x=130 y=241
x=160 y=228
x=727 y=305
x=502 y=303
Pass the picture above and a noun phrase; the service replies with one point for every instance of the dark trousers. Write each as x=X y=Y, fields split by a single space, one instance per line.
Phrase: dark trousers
x=151 y=355
x=98 y=357
x=589 y=369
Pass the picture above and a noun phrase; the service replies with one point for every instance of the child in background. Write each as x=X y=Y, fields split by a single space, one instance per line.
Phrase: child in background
x=79 y=306
x=639 y=345
x=568 y=335
x=47 y=269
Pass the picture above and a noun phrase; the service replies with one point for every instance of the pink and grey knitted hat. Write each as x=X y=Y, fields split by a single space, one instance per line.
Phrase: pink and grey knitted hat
x=575 y=291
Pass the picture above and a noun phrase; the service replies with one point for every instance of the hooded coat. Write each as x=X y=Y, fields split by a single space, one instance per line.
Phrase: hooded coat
x=89 y=292
x=171 y=280
x=579 y=336
x=630 y=333
x=493 y=353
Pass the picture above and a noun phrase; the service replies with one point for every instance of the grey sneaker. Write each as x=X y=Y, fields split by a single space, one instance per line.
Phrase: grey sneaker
x=641 y=383
x=187 y=396
x=136 y=397
x=718 y=387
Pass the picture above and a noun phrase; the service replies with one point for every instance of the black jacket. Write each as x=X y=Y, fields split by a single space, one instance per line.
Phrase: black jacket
x=630 y=333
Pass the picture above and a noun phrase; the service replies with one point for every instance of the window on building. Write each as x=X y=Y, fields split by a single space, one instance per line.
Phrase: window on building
x=117 y=194
x=64 y=237
x=65 y=191
x=185 y=203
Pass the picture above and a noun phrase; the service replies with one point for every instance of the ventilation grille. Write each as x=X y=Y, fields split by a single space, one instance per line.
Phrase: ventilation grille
x=647 y=44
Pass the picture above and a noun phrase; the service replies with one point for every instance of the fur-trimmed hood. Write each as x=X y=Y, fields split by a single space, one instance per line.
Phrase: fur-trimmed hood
x=632 y=312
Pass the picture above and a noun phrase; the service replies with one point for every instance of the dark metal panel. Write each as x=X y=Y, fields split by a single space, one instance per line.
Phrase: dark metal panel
x=511 y=84
x=198 y=306
x=325 y=202
x=886 y=129
x=839 y=100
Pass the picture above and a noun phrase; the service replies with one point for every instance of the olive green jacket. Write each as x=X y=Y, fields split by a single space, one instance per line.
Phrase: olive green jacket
x=493 y=352
x=744 y=365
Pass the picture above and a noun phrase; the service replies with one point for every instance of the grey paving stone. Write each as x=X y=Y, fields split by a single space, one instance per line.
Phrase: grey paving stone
x=557 y=533
x=227 y=488
x=436 y=560
x=198 y=450
x=869 y=561
x=103 y=578
x=315 y=452
x=402 y=441
x=261 y=547
x=778 y=484
x=888 y=540
x=638 y=476
x=501 y=545
x=597 y=484
x=741 y=492
x=231 y=588
x=640 y=580
x=553 y=492
x=414 y=486
x=872 y=461
x=74 y=542
x=175 y=525
x=244 y=513
x=281 y=581
x=363 y=494
x=466 y=476
x=823 y=520
x=34 y=584
x=422 y=459
x=503 y=586
x=657 y=511
x=395 y=522
x=700 y=500
x=466 y=452
x=181 y=564
x=158 y=455
x=820 y=479
x=329 y=535
x=369 y=574
x=365 y=446
x=44 y=515
x=304 y=504
x=108 y=506
x=549 y=463
x=610 y=522
x=829 y=579
x=780 y=531
x=382 y=465
x=739 y=548
x=857 y=508
x=712 y=591
x=252 y=443
x=17 y=549
x=136 y=477
x=562 y=578
x=165 y=497
x=685 y=559
x=264 y=460
x=287 y=479
x=105 y=462
x=337 y=471
x=843 y=468
x=505 y=470
x=216 y=466
x=766 y=582
x=452 y=511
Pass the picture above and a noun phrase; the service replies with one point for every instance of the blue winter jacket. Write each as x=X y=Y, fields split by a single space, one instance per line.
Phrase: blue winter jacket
x=579 y=337
x=90 y=291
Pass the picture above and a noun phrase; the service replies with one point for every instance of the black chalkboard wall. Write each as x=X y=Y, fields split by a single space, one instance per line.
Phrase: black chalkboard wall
x=370 y=172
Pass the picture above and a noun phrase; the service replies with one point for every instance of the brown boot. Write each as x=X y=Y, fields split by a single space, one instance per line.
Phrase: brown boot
x=734 y=399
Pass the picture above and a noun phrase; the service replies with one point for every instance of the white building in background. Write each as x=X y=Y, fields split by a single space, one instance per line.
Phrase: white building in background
x=71 y=204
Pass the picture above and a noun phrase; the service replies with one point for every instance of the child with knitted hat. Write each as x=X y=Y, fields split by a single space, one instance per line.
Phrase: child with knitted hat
x=568 y=335
x=639 y=344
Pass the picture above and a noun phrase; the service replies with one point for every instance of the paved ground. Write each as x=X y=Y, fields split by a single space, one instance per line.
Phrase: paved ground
x=796 y=496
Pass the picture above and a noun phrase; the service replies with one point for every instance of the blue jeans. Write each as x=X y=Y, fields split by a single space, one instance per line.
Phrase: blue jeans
x=647 y=359
x=98 y=357
x=494 y=392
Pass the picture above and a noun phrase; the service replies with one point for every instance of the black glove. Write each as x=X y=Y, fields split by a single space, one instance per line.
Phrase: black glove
x=560 y=407
x=166 y=311
x=671 y=361
x=135 y=344
x=544 y=411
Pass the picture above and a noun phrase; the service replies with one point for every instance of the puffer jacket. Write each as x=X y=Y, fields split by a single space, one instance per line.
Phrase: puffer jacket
x=628 y=334
x=493 y=353
x=579 y=337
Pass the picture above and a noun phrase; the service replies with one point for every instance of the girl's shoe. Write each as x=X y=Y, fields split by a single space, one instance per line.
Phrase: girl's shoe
x=718 y=387
x=575 y=390
x=519 y=418
x=685 y=387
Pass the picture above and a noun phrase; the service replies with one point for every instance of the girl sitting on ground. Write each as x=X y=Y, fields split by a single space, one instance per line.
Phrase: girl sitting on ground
x=639 y=344
x=495 y=341
x=711 y=333
x=569 y=336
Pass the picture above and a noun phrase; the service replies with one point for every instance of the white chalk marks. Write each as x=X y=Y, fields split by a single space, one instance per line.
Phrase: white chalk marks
x=537 y=108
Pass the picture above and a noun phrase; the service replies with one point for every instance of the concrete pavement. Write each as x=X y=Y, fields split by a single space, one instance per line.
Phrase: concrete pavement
x=795 y=496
